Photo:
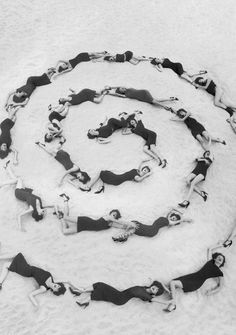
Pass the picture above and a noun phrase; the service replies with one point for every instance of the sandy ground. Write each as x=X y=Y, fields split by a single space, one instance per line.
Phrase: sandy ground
x=200 y=34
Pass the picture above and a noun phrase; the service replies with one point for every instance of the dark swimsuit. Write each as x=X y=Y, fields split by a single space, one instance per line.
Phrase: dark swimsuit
x=33 y=82
x=195 y=127
x=151 y=230
x=141 y=95
x=202 y=168
x=21 y=267
x=25 y=194
x=64 y=158
x=211 y=88
x=86 y=223
x=55 y=116
x=82 y=57
x=111 y=178
x=121 y=58
x=194 y=281
x=84 y=95
x=5 y=136
x=111 y=126
x=148 y=135
x=167 y=64
x=104 y=292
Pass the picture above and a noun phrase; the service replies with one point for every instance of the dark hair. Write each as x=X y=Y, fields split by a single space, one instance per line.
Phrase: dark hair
x=158 y=285
x=61 y=289
x=197 y=81
x=46 y=139
x=61 y=102
x=205 y=152
x=179 y=111
x=36 y=215
x=178 y=217
x=215 y=255
x=146 y=167
x=3 y=154
x=118 y=215
x=109 y=58
x=119 y=91
x=61 y=69
x=90 y=136
x=85 y=176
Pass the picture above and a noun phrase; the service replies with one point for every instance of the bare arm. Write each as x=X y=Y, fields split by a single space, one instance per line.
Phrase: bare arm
x=123 y=224
x=126 y=131
x=102 y=140
x=73 y=169
x=143 y=162
x=217 y=288
x=140 y=178
x=15 y=158
x=19 y=219
x=114 y=94
x=212 y=250
x=232 y=124
x=32 y=295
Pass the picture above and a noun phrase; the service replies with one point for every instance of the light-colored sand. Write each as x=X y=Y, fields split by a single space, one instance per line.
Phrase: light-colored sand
x=201 y=34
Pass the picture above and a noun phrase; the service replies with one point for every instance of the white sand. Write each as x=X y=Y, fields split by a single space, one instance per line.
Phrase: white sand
x=200 y=34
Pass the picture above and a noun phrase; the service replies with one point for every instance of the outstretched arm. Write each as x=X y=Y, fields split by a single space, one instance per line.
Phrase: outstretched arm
x=19 y=219
x=217 y=288
x=212 y=250
x=140 y=178
x=32 y=295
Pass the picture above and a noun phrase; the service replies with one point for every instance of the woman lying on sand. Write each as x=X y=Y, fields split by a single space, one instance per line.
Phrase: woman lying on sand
x=141 y=95
x=127 y=56
x=220 y=97
x=84 y=95
x=54 y=127
x=173 y=218
x=107 y=128
x=43 y=278
x=76 y=224
x=194 y=281
x=34 y=202
x=111 y=178
x=73 y=172
x=104 y=292
x=137 y=127
x=160 y=63
x=5 y=136
x=21 y=96
x=66 y=66
x=197 y=129
x=196 y=176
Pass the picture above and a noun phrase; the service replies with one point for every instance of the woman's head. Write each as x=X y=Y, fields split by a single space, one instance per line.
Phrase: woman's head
x=115 y=213
x=181 y=113
x=64 y=66
x=48 y=137
x=121 y=90
x=92 y=133
x=4 y=151
x=58 y=288
x=174 y=218
x=145 y=169
x=132 y=123
x=83 y=177
x=200 y=81
x=207 y=154
x=20 y=93
x=62 y=101
x=37 y=216
x=110 y=58
x=219 y=259
x=156 y=288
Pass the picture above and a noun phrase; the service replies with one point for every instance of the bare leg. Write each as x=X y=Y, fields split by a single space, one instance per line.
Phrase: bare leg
x=51 y=152
x=93 y=181
x=99 y=98
x=193 y=184
x=186 y=77
x=4 y=272
x=150 y=153
x=175 y=284
x=205 y=146
x=217 y=99
x=10 y=182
